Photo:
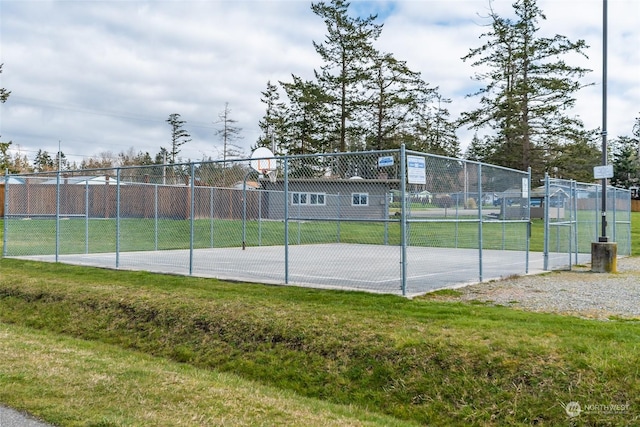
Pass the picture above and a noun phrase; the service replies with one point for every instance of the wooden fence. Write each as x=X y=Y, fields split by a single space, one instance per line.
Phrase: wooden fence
x=136 y=201
x=139 y=200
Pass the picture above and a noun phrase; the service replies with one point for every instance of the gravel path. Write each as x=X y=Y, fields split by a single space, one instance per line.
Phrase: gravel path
x=579 y=292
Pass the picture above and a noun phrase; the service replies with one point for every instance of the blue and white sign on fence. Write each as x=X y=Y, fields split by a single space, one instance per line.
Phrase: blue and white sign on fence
x=416 y=170
x=385 y=161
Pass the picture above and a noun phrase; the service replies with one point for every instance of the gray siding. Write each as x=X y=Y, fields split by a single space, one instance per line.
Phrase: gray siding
x=338 y=199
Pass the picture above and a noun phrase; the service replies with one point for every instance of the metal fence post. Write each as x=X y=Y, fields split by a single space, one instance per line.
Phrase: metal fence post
x=155 y=216
x=595 y=211
x=545 y=255
x=528 y=231
x=192 y=214
x=299 y=222
x=117 y=217
x=403 y=220
x=86 y=220
x=211 y=214
x=574 y=209
x=386 y=219
x=259 y=218
x=57 y=214
x=480 y=242
x=615 y=218
x=424 y=224
x=286 y=219
x=244 y=209
x=339 y=197
x=628 y=206
x=6 y=213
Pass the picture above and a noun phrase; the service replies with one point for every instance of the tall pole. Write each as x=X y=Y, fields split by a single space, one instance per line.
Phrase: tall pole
x=603 y=236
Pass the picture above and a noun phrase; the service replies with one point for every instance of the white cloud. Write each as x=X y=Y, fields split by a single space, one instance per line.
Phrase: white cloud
x=104 y=75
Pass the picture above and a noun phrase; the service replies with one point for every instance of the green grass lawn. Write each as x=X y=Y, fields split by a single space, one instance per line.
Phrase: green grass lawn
x=38 y=236
x=75 y=382
x=92 y=347
x=376 y=357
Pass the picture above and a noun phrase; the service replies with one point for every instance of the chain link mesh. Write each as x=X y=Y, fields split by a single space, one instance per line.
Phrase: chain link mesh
x=575 y=221
x=366 y=220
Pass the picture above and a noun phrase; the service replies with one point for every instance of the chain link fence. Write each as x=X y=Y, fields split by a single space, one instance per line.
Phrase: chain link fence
x=572 y=216
x=386 y=221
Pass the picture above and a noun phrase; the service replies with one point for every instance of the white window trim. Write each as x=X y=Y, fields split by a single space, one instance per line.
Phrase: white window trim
x=307 y=197
x=366 y=195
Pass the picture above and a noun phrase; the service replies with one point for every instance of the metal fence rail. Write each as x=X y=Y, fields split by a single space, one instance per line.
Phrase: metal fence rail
x=573 y=220
x=386 y=221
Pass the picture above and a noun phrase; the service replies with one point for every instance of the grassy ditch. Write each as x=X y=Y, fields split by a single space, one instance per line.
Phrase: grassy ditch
x=72 y=382
x=419 y=361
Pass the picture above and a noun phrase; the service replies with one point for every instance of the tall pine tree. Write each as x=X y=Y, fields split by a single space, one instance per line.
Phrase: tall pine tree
x=346 y=52
x=308 y=120
x=179 y=136
x=272 y=124
x=395 y=96
x=530 y=88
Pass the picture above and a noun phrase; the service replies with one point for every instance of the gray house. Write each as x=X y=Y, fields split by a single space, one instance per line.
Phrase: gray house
x=328 y=198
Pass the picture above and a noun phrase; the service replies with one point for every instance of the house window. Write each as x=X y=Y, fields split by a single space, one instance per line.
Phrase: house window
x=359 y=199
x=314 y=199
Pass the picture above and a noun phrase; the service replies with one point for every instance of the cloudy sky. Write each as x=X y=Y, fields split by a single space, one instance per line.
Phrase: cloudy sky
x=98 y=76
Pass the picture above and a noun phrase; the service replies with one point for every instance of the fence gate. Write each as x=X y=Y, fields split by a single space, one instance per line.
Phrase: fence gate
x=572 y=220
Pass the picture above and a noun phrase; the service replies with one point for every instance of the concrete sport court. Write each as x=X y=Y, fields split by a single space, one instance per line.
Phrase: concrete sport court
x=373 y=268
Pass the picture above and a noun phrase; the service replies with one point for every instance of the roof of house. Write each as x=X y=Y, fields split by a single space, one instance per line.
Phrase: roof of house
x=11 y=180
x=81 y=180
x=554 y=191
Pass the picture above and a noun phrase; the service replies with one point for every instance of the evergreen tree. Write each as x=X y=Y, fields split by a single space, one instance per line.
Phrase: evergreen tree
x=15 y=164
x=5 y=158
x=308 y=118
x=483 y=150
x=346 y=52
x=161 y=156
x=273 y=122
x=626 y=164
x=360 y=99
x=434 y=132
x=60 y=161
x=573 y=160
x=43 y=162
x=626 y=159
x=476 y=149
x=395 y=95
x=4 y=94
x=179 y=136
x=530 y=88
